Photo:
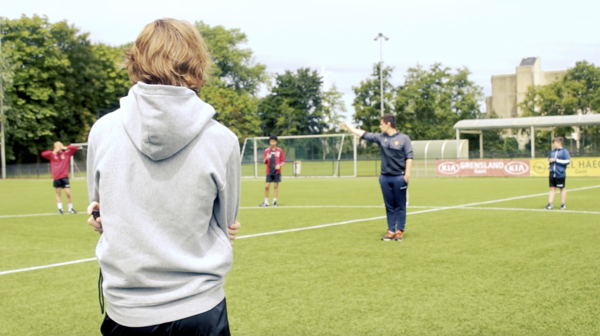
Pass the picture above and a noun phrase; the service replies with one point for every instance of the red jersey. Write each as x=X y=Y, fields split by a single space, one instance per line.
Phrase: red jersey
x=59 y=163
x=279 y=158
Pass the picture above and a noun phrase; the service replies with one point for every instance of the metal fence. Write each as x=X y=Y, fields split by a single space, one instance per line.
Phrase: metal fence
x=30 y=170
x=42 y=170
x=365 y=167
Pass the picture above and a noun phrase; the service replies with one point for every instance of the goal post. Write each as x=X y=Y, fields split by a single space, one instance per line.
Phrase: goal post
x=322 y=155
x=78 y=164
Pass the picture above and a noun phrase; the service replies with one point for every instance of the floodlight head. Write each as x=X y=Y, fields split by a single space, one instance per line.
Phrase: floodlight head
x=380 y=35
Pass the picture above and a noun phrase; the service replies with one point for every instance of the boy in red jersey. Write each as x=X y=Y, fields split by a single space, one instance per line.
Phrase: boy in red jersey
x=59 y=159
x=274 y=158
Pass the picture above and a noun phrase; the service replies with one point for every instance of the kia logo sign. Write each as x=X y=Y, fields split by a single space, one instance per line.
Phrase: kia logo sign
x=494 y=167
x=448 y=168
x=516 y=168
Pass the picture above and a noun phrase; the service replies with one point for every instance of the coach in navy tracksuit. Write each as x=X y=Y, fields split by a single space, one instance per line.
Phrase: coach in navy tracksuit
x=396 y=163
x=558 y=159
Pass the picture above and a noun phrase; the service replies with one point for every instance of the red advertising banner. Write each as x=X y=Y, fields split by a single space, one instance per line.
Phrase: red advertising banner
x=506 y=168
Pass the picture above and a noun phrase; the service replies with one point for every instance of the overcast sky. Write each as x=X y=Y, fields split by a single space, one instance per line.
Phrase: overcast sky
x=488 y=37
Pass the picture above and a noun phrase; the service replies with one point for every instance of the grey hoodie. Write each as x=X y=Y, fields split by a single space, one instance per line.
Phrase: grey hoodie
x=167 y=177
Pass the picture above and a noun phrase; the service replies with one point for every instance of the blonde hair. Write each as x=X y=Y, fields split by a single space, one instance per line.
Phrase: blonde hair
x=58 y=146
x=169 y=52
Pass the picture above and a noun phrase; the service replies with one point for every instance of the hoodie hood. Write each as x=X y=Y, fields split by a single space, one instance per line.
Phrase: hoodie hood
x=162 y=119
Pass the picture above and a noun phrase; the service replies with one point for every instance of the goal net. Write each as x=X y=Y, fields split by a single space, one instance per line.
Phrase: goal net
x=78 y=166
x=324 y=155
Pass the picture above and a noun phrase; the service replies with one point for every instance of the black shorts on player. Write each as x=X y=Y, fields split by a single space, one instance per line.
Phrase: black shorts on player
x=62 y=183
x=273 y=178
x=557 y=182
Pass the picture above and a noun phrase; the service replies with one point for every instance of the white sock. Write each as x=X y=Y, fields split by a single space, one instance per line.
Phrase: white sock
x=266 y=200
x=70 y=206
x=59 y=205
x=274 y=200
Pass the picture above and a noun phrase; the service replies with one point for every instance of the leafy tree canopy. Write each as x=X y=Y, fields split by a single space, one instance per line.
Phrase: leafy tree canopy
x=59 y=82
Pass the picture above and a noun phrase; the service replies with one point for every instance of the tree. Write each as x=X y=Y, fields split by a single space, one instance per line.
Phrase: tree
x=295 y=105
x=235 y=81
x=111 y=80
x=233 y=65
x=42 y=82
x=60 y=80
x=367 y=103
x=6 y=77
x=333 y=106
x=578 y=92
x=235 y=110
x=431 y=101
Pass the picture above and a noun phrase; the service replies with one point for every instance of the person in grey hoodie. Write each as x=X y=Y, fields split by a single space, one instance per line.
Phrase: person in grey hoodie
x=165 y=178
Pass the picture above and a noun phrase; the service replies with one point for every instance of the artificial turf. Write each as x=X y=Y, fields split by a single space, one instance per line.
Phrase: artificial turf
x=459 y=271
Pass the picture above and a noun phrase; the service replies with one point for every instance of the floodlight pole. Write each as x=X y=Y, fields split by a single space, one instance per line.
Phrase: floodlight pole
x=381 y=37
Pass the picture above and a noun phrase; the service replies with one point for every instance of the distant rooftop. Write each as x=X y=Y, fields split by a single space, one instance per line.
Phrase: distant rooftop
x=528 y=61
x=526 y=122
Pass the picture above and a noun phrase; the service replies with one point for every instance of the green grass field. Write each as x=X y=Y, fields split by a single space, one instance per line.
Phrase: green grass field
x=465 y=268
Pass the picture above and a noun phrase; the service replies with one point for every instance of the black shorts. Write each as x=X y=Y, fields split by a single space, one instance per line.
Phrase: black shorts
x=62 y=183
x=274 y=178
x=557 y=182
x=212 y=322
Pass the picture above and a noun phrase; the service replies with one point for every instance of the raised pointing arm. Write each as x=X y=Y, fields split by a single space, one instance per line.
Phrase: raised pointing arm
x=352 y=130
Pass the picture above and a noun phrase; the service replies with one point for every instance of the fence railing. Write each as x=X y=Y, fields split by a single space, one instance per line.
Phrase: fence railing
x=29 y=170
x=42 y=170
x=364 y=167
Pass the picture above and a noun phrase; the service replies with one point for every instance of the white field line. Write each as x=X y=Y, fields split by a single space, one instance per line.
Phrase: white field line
x=309 y=207
x=319 y=226
x=250 y=208
x=36 y=215
x=521 y=197
x=332 y=206
x=535 y=210
x=334 y=224
x=311 y=227
x=47 y=266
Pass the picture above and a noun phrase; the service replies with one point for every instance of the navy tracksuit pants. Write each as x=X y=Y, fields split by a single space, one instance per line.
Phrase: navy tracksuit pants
x=394 y=189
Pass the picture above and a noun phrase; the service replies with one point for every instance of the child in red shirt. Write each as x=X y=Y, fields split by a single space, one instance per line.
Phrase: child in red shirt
x=274 y=158
x=59 y=159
